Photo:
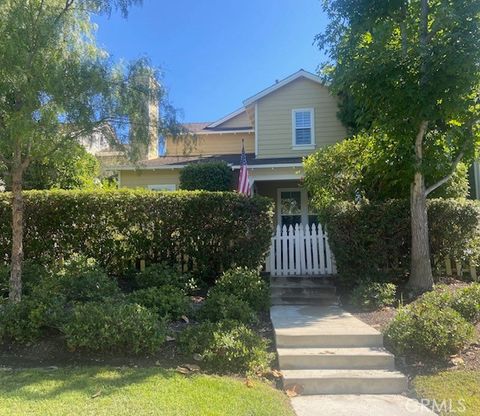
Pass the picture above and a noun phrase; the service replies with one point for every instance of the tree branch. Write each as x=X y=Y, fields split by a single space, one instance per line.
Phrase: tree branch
x=446 y=178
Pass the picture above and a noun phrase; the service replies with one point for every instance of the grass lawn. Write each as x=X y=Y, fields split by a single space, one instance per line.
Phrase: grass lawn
x=133 y=392
x=453 y=387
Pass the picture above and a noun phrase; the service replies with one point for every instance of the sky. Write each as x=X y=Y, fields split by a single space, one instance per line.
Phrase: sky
x=214 y=54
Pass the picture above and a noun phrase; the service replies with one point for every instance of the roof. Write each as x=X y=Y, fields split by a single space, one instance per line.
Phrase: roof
x=173 y=162
x=196 y=127
x=279 y=84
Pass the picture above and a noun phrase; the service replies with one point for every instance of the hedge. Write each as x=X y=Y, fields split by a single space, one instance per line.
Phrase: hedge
x=372 y=240
x=207 y=176
x=207 y=232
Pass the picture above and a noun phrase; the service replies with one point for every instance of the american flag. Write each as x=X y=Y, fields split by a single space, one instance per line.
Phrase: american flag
x=243 y=180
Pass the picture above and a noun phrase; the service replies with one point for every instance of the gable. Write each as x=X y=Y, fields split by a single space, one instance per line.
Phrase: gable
x=274 y=118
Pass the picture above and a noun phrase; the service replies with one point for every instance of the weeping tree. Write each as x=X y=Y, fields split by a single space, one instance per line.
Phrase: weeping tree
x=57 y=86
x=409 y=69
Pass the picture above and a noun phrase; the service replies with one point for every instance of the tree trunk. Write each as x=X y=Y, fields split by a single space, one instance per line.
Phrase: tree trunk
x=421 y=277
x=15 y=293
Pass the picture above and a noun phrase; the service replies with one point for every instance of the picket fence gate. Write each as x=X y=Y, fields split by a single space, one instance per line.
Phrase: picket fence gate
x=300 y=250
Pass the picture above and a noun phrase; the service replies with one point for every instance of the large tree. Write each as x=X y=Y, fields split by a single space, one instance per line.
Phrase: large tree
x=410 y=70
x=56 y=85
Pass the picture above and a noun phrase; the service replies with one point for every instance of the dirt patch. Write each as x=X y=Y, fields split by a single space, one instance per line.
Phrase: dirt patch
x=378 y=319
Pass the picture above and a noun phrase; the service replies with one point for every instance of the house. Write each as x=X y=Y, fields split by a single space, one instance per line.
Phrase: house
x=278 y=126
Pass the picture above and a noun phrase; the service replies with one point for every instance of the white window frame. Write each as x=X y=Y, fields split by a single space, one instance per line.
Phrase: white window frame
x=311 y=145
x=163 y=187
x=303 y=203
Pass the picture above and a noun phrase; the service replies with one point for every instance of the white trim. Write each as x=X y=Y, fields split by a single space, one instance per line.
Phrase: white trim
x=310 y=145
x=286 y=177
x=172 y=167
x=256 y=129
x=228 y=117
x=119 y=184
x=163 y=187
x=280 y=84
x=476 y=176
x=273 y=166
x=201 y=132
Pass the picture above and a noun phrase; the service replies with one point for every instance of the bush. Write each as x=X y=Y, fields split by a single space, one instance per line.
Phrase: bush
x=370 y=295
x=168 y=301
x=162 y=274
x=78 y=282
x=32 y=274
x=373 y=239
x=227 y=346
x=15 y=322
x=207 y=176
x=245 y=284
x=424 y=330
x=114 y=326
x=222 y=306
x=466 y=302
x=212 y=231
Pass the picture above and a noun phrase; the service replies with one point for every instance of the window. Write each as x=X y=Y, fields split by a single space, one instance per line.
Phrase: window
x=303 y=131
x=162 y=187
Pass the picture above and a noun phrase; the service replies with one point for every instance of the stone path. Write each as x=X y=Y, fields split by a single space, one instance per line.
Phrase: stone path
x=339 y=363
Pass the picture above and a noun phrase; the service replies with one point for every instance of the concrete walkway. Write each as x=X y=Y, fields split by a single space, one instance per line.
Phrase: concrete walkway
x=339 y=364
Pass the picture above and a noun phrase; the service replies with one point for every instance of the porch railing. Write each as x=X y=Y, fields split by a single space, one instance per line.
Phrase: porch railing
x=300 y=250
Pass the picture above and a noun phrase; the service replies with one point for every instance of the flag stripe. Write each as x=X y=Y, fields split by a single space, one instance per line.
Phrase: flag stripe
x=243 y=180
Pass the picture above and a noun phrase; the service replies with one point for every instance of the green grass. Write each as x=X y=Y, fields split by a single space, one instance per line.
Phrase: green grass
x=460 y=388
x=133 y=392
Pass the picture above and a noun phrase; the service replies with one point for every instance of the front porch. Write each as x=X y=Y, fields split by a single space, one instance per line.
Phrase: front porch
x=299 y=244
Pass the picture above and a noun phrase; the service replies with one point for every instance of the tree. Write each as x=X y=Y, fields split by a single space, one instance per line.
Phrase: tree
x=369 y=167
x=56 y=85
x=70 y=167
x=409 y=69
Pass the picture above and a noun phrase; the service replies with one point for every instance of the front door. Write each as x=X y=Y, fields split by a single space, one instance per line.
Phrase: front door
x=293 y=207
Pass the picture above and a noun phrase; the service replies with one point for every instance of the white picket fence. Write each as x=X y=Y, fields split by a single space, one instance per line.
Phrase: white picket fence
x=300 y=250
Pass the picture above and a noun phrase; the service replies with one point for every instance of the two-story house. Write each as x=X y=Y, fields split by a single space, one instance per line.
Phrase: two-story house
x=278 y=126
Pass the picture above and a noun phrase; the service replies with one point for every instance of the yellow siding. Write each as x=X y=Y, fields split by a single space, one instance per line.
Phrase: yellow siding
x=242 y=120
x=274 y=118
x=209 y=144
x=143 y=178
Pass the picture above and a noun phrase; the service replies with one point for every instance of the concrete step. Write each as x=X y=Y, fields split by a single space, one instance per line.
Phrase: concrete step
x=302 y=291
x=346 y=381
x=302 y=280
x=305 y=300
x=289 y=339
x=335 y=358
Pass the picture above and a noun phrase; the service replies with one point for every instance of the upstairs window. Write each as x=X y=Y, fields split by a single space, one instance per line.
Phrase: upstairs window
x=303 y=131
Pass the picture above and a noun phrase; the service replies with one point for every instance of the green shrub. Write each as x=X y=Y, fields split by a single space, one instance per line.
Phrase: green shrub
x=227 y=346
x=15 y=322
x=207 y=176
x=211 y=231
x=373 y=239
x=162 y=274
x=166 y=300
x=114 y=326
x=466 y=302
x=424 y=330
x=245 y=284
x=32 y=274
x=370 y=295
x=223 y=306
x=78 y=285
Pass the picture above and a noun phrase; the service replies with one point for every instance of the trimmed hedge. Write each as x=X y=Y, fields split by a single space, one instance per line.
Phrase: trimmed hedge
x=372 y=240
x=207 y=176
x=212 y=231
